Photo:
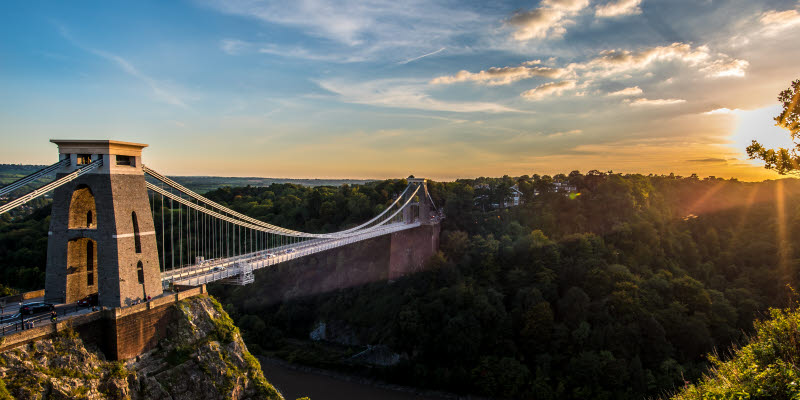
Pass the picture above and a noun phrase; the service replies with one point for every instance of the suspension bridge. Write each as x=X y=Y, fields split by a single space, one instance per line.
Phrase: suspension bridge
x=122 y=230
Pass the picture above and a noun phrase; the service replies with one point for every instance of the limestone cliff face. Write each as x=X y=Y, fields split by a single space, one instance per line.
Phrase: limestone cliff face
x=203 y=357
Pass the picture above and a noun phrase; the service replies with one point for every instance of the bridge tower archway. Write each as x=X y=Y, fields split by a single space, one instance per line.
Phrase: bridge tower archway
x=101 y=228
x=81 y=268
x=82 y=208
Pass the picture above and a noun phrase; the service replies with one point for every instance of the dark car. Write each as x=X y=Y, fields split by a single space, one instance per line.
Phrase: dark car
x=36 y=308
x=88 y=301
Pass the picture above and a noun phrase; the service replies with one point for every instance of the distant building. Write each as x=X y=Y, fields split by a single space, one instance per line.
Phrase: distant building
x=564 y=187
x=516 y=197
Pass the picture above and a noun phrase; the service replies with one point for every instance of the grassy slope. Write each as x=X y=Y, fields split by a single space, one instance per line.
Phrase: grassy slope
x=766 y=368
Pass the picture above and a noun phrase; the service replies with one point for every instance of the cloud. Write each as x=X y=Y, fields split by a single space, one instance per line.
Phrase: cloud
x=538 y=23
x=567 y=5
x=306 y=54
x=402 y=93
x=719 y=111
x=565 y=133
x=549 y=20
x=709 y=160
x=777 y=21
x=422 y=56
x=620 y=62
x=362 y=29
x=727 y=67
x=233 y=46
x=619 y=8
x=549 y=89
x=655 y=102
x=631 y=91
x=499 y=76
x=160 y=90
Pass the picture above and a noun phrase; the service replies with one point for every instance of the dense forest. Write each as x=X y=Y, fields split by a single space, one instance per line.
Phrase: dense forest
x=616 y=289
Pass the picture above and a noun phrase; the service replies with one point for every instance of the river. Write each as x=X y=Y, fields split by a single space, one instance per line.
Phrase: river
x=317 y=385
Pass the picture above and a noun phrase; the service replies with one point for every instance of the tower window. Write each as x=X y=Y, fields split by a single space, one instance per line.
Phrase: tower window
x=137 y=241
x=89 y=255
x=125 y=160
x=89 y=218
x=140 y=272
x=84 y=159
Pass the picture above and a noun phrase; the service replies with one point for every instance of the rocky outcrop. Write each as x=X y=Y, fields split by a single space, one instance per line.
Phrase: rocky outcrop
x=203 y=357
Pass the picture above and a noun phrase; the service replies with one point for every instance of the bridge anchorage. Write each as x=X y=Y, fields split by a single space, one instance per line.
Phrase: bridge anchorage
x=127 y=233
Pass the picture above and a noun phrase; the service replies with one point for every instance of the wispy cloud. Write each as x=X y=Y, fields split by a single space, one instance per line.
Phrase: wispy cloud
x=499 y=76
x=619 y=8
x=717 y=111
x=548 y=89
x=618 y=62
x=655 y=102
x=233 y=46
x=775 y=22
x=550 y=20
x=708 y=160
x=403 y=93
x=631 y=91
x=356 y=29
x=422 y=56
x=159 y=89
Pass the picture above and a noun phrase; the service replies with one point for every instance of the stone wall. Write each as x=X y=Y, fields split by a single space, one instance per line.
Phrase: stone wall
x=120 y=333
x=411 y=249
x=378 y=259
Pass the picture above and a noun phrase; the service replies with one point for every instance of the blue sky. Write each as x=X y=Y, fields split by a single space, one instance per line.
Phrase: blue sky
x=375 y=89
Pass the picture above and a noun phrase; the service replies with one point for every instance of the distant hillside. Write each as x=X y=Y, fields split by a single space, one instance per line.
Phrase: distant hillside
x=766 y=368
x=11 y=172
x=204 y=184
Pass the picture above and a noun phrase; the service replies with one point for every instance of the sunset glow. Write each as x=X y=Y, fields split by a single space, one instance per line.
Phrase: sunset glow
x=454 y=89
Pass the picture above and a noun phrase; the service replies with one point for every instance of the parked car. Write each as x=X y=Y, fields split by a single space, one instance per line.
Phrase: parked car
x=36 y=308
x=88 y=301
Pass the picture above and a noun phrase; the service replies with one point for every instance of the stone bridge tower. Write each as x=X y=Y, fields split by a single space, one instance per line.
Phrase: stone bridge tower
x=102 y=237
x=422 y=201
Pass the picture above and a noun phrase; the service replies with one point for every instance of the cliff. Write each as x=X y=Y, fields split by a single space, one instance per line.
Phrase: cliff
x=203 y=356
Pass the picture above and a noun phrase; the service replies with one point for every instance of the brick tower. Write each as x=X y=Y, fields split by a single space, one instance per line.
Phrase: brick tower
x=102 y=237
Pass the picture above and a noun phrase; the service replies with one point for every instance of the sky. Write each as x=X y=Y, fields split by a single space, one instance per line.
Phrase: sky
x=384 y=89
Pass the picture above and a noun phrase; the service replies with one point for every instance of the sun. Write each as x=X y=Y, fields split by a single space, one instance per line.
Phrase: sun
x=758 y=125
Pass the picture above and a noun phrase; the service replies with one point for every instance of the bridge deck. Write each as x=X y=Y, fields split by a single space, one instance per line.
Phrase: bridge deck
x=235 y=269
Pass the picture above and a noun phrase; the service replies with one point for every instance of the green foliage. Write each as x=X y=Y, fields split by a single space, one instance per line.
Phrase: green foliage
x=117 y=370
x=766 y=368
x=225 y=331
x=4 y=394
x=783 y=160
x=616 y=293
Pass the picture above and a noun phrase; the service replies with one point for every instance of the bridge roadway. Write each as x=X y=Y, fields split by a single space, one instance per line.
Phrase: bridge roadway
x=238 y=269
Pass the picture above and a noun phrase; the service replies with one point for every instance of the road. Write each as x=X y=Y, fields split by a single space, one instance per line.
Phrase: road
x=64 y=311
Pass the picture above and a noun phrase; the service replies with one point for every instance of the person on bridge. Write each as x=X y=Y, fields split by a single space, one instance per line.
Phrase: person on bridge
x=54 y=316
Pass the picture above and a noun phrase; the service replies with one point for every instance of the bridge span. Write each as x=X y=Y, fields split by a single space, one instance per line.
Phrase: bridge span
x=127 y=233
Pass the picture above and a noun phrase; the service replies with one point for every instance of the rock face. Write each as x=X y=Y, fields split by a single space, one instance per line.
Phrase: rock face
x=203 y=357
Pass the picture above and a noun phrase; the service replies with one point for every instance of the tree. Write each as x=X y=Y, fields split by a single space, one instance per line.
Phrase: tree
x=783 y=160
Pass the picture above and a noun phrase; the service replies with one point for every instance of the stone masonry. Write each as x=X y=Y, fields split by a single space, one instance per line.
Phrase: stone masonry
x=92 y=246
